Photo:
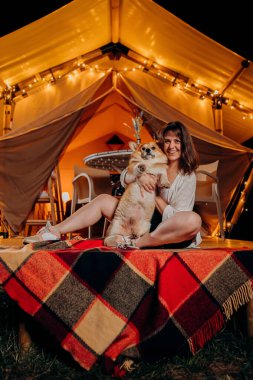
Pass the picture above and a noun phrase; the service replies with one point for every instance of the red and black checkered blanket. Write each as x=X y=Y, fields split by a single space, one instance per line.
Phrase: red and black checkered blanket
x=103 y=302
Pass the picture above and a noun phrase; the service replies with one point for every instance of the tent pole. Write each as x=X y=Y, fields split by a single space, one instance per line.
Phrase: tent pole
x=217 y=114
x=115 y=20
x=244 y=65
x=218 y=99
x=8 y=109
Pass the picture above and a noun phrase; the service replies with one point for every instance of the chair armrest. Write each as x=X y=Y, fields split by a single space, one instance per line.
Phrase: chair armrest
x=80 y=176
x=215 y=178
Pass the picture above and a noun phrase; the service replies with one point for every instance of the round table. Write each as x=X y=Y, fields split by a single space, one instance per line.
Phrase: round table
x=114 y=160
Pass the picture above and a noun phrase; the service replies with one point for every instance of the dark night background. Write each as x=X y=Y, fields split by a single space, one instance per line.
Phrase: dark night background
x=229 y=24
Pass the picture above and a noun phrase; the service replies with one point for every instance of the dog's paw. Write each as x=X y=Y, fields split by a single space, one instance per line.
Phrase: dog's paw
x=111 y=241
x=114 y=240
x=141 y=168
x=163 y=182
x=165 y=185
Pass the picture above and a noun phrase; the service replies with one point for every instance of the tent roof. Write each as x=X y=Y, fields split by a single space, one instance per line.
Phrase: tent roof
x=86 y=32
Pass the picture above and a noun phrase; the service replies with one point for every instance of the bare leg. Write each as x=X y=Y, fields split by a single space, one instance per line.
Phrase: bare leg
x=180 y=227
x=89 y=214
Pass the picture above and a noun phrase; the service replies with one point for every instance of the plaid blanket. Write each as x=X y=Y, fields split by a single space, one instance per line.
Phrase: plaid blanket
x=103 y=302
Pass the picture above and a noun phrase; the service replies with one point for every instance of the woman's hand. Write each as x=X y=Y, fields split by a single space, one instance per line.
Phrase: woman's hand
x=147 y=182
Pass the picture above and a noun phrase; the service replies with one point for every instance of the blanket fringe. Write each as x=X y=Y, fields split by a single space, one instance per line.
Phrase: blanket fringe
x=206 y=332
x=239 y=298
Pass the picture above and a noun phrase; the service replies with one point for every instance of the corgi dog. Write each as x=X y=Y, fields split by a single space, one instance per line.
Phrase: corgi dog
x=133 y=214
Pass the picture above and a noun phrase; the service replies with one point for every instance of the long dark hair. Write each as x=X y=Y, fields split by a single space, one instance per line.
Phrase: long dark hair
x=189 y=160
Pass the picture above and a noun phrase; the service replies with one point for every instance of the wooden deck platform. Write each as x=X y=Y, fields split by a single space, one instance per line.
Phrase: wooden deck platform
x=207 y=242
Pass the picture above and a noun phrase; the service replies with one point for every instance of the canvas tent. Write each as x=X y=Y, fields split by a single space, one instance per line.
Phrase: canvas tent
x=77 y=76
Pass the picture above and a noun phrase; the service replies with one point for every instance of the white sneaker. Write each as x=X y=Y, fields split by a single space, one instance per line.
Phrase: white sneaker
x=46 y=233
x=195 y=242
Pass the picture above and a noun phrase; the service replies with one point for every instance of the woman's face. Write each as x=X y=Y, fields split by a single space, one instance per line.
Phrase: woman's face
x=172 y=146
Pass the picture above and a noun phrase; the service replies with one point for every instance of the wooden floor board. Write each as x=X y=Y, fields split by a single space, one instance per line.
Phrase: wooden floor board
x=207 y=242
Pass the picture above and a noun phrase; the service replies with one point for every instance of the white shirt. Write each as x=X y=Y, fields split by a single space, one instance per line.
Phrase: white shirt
x=180 y=196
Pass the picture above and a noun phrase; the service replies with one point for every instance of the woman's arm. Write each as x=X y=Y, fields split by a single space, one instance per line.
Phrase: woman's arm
x=126 y=178
x=145 y=181
x=160 y=204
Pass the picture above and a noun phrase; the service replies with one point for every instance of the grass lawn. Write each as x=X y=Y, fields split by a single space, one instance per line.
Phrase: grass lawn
x=226 y=357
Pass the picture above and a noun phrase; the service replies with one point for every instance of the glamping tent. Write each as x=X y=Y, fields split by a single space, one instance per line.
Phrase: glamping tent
x=76 y=77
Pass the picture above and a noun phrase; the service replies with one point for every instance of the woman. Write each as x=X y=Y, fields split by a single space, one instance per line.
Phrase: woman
x=179 y=223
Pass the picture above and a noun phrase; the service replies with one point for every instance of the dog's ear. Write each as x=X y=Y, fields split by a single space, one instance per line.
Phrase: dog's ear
x=133 y=145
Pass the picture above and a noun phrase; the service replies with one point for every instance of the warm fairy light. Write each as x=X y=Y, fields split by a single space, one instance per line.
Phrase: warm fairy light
x=173 y=79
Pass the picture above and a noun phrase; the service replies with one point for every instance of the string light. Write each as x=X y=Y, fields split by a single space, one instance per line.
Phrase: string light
x=76 y=66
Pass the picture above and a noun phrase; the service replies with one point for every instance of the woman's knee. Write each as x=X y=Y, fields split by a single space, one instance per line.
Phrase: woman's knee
x=104 y=198
x=194 y=223
x=107 y=204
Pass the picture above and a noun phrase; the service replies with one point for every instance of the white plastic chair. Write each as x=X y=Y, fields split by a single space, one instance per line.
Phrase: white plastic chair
x=87 y=186
x=207 y=190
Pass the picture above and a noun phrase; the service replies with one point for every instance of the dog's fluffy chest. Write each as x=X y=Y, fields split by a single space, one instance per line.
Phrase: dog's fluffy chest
x=134 y=194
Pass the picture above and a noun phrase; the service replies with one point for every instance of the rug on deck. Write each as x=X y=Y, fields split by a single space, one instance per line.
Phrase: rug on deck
x=105 y=302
